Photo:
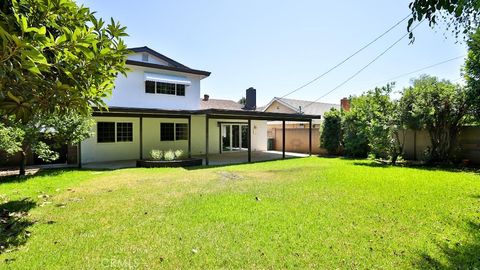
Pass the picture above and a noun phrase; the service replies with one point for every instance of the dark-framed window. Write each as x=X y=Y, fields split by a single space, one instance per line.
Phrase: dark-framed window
x=124 y=132
x=105 y=132
x=150 y=87
x=167 y=131
x=165 y=88
x=181 y=131
x=180 y=90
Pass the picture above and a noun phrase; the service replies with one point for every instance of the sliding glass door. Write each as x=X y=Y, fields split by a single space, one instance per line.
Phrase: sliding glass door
x=234 y=137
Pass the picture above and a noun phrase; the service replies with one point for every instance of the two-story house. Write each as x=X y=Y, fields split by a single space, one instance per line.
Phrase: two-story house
x=158 y=106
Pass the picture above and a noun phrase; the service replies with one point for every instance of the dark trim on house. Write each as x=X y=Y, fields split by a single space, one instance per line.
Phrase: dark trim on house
x=163 y=67
x=190 y=136
x=213 y=113
x=141 y=137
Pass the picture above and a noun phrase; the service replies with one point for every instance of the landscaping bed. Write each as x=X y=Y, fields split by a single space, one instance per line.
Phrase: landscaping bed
x=189 y=162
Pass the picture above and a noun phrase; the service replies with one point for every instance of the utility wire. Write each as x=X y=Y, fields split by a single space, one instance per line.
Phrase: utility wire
x=420 y=69
x=364 y=67
x=346 y=59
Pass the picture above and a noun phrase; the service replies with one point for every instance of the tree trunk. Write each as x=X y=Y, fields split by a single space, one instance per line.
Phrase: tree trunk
x=23 y=162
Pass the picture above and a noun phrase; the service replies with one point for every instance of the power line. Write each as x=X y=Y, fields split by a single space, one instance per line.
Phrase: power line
x=364 y=67
x=420 y=69
x=348 y=58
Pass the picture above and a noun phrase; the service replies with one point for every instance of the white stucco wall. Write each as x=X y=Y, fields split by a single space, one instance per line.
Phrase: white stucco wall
x=92 y=151
x=130 y=92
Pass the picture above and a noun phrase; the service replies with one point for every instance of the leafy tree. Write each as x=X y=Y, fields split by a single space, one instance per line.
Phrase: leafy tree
x=331 y=132
x=57 y=61
x=70 y=128
x=378 y=123
x=472 y=72
x=441 y=108
x=355 y=136
x=242 y=101
x=461 y=17
x=56 y=56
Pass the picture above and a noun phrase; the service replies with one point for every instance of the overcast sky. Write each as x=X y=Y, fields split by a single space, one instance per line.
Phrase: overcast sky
x=277 y=46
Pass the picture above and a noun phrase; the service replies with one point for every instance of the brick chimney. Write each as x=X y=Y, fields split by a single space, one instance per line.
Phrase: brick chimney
x=251 y=99
x=206 y=97
x=345 y=104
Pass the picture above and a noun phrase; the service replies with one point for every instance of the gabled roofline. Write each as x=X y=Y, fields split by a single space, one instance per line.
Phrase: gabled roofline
x=157 y=66
x=281 y=102
x=146 y=49
x=175 y=66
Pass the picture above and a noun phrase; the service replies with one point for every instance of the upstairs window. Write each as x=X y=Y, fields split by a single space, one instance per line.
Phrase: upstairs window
x=180 y=90
x=145 y=57
x=152 y=87
x=105 y=132
x=165 y=88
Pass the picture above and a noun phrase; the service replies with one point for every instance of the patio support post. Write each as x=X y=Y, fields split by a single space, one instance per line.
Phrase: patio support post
x=141 y=137
x=79 y=155
x=283 y=139
x=249 y=140
x=189 y=136
x=206 y=138
x=310 y=137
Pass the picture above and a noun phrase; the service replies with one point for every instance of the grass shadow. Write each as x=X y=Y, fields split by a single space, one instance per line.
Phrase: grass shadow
x=14 y=223
x=49 y=172
x=458 y=255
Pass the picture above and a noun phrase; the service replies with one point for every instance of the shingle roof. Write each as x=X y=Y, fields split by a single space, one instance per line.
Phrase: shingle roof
x=223 y=104
x=307 y=107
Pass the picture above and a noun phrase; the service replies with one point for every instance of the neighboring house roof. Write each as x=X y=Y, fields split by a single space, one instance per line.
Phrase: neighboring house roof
x=222 y=104
x=173 y=65
x=307 y=107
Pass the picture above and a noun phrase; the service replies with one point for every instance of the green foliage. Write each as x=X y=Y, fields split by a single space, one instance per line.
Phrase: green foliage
x=242 y=101
x=441 y=108
x=69 y=128
x=156 y=154
x=381 y=122
x=355 y=137
x=56 y=57
x=10 y=139
x=179 y=154
x=169 y=155
x=331 y=135
x=461 y=17
x=472 y=73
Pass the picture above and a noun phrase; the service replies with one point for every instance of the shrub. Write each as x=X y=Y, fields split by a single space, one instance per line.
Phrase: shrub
x=179 y=154
x=355 y=136
x=169 y=155
x=156 y=154
x=331 y=136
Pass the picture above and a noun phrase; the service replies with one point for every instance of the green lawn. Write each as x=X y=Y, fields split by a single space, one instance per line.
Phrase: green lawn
x=299 y=213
